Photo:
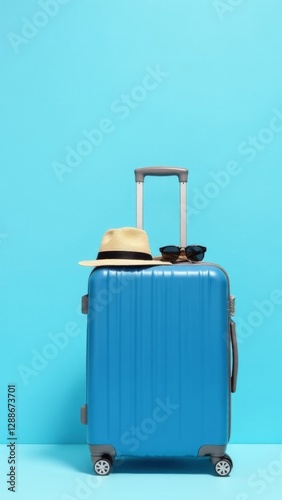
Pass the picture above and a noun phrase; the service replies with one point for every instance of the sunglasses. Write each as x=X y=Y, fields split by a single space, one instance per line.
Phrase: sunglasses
x=194 y=253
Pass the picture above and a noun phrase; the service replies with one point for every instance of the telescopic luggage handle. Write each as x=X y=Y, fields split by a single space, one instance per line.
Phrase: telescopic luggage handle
x=182 y=174
x=140 y=173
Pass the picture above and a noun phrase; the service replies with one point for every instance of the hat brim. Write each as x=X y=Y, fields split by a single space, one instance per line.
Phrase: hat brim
x=182 y=258
x=122 y=262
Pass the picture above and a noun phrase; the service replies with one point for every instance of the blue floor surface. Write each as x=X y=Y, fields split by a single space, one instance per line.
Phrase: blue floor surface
x=64 y=472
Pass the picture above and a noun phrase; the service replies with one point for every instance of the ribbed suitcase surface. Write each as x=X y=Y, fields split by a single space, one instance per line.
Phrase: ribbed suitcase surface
x=158 y=361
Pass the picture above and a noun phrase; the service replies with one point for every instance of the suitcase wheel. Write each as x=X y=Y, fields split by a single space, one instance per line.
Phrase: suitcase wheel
x=223 y=466
x=103 y=466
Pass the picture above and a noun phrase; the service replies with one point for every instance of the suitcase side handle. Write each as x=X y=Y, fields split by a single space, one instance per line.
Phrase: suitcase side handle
x=182 y=174
x=235 y=356
x=84 y=304
x=140 y=173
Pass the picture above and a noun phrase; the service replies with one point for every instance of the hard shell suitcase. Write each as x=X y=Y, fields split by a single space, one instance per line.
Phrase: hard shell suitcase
x=162 y=357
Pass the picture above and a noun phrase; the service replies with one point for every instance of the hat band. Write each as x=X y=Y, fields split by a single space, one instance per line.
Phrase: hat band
x=124 y=255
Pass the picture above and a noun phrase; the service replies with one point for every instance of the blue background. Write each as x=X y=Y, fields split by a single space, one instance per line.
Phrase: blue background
x=216 y=104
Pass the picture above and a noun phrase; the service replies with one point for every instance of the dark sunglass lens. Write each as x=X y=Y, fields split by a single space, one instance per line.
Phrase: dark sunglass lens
x=199 y=256
x=199 y=252
x=170 y=249
x=170 y=252
x=195 y=252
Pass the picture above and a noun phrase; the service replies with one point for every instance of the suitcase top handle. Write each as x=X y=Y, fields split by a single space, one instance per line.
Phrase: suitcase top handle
x=182 y=174
x=140 y=173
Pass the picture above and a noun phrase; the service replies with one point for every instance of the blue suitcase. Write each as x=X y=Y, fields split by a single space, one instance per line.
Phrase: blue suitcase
x=162 y=357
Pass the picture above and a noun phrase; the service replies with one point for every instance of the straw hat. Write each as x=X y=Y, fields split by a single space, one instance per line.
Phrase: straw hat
x=126 y=246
